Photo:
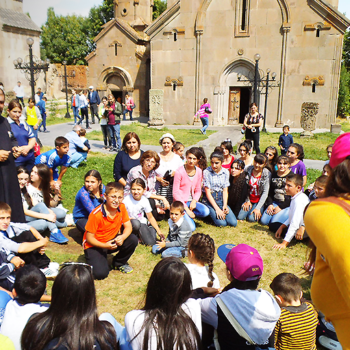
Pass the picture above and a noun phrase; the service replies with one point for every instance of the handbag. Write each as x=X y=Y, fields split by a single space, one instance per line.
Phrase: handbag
x=208 y=110
x=243 y=129
x=133 y=106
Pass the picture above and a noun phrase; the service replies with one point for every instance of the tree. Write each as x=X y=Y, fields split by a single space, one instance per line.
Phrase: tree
x=344 y=93
x=346 y=50
x=159 y=7
x=63 y=38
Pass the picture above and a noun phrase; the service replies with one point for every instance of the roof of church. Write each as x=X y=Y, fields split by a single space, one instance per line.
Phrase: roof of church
x=17 y=19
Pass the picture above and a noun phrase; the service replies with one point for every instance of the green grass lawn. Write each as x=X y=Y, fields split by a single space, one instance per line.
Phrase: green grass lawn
x=120 y=293
x=151 y=136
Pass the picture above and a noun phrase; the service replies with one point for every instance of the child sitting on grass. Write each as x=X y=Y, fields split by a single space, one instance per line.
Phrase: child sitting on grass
x=179 y=234
x=29 y=287
x=82 y=134
x=201 y=251
x=294 y=225
x=296 y=328
x=104 y=234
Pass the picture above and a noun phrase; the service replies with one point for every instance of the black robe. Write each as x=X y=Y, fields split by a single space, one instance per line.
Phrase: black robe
x=9 y=187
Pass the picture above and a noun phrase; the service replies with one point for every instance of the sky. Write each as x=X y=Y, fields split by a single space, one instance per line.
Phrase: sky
x=38 y=8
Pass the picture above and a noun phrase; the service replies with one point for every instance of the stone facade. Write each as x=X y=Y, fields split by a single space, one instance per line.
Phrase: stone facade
x=200 y=48
x=15 y=28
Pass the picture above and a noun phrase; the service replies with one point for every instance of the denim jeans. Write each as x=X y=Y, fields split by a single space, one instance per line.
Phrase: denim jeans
x=35 y=132
x=242 y=215
x=230 y=218
x=205 y=122
x=114 y=132
x=76 y=158
x=281 y=216
x=43 y=123
x=127 y=111
x=175 y=252
x=41 y=224
x=76 y=114
x=201 y=211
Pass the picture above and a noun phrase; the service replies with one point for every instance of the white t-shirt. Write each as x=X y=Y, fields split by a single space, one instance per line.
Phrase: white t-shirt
x=136 y=209
x=173 y=164
x=19 y=91
x=134 y=321
x=200 y=277
x=35 y=194
x=16 y=317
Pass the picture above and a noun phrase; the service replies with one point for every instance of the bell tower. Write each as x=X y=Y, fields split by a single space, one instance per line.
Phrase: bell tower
x=134 y=11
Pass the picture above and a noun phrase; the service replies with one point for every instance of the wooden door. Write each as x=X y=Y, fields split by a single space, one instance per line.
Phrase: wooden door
x=234 y=105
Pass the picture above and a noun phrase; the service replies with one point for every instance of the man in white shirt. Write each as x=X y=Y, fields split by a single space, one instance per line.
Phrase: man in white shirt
x=295 y=221
x=18 y=89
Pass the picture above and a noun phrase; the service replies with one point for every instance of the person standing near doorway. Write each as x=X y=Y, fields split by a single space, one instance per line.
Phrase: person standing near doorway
x=129 y=106
x=253 y=122
x=83 y=105
x=203 y=114
x=94 y=101
x=18 y=89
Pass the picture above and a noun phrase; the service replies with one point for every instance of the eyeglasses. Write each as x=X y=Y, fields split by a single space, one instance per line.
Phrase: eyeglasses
x=74 y=263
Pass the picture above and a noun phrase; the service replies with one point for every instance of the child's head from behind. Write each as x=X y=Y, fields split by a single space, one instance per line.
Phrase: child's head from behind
x=29 y=285
x=114 y=195
x=177 y=211
x=287 y=288
x=320 y=186
x=5 y=216
x=61 y=145
x=137 y=188
x=244 y=265
x=201 y=247
x=169 y=286
x=294 y=184
x=82 y=132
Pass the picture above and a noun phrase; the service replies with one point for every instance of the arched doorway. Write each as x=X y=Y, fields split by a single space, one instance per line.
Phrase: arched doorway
x=115 y=84
x=234 y=95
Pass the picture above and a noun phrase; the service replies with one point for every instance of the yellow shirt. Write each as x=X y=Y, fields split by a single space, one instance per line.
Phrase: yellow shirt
x=328 y=226
x=32 y=118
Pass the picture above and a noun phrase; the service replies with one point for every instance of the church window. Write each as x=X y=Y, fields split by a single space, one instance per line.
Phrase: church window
x=317 y=32
x=313 y=86
x=115 y=49
x=242 y=18
x=175 y=36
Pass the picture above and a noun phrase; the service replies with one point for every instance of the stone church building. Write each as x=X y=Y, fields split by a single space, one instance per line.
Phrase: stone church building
x=211 y=48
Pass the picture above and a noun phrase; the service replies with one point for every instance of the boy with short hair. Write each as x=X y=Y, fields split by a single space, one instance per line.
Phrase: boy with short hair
x=26 y=241
x=82 y=134
x=285 y=140
x=296 y=328
x=179 y=234
x=55 y=158
x=294 y=225
x=42 y=108
x=28 y=288
x=104 y=236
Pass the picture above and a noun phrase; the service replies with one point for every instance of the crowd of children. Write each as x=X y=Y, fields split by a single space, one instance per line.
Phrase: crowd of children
x=180 y=298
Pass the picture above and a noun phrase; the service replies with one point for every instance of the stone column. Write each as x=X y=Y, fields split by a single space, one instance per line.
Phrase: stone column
x=156 y=97
x=198 y=63
x=282 y=77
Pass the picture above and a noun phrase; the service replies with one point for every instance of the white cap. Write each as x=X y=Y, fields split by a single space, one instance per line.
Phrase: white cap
x=167 y=135
x=91 y=87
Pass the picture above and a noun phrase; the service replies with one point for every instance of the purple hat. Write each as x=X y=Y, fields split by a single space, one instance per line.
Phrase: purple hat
x=244 y=262
x=340 y=150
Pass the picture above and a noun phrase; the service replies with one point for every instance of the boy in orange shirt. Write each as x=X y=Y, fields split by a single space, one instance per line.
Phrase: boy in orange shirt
x=104 y=236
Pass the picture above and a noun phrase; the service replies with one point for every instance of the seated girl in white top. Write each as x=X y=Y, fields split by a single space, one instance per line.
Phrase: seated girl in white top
x=201 y=251
x=169 y=316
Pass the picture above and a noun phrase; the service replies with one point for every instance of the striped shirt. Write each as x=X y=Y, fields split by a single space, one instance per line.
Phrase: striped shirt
x=296 y=328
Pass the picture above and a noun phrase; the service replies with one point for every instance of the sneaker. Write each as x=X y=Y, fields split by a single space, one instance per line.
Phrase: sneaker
x=54 y=266
x=49 y=273
x=202 y=131
x=125 y=268
x=69 y=220
x=57 y=237
x=329 y=343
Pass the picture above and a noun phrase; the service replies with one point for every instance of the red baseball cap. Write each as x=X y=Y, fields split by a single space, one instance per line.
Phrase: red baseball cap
x=243 y=261
x=340 y=150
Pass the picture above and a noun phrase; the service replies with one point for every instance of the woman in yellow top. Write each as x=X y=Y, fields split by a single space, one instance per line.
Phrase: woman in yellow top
x=328 y=225
x=32 y=116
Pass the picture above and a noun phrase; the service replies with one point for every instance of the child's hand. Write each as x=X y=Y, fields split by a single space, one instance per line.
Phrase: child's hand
x=193 y=204
x=276 y=210
x=161 y=245
x=211 y=292
x=161 y=236
x=270 y=209
x=279 y=246
x=278 y=233
x=17 y=261
x=119 y=240
x=257 y=214
x=300 y=233
x=247 y=206
x=4 y=155
x=220 y=214
x=111 y=245
x=51 y=217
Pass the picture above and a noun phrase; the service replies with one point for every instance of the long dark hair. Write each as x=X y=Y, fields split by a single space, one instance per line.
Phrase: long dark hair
x=45 y=178
x=94 y=173
x=300 y=150
x=271 y=163
x=22 y=170
x=168 y=288
x=72 y=317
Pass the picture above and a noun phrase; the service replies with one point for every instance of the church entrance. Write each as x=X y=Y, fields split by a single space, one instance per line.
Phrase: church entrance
x=115 y=84
x=238 y=105
x=118 y=94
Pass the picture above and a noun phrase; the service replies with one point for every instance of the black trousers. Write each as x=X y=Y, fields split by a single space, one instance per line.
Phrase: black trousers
x=84 y=113
x=255 y=136
x=146 y=233
x=94 y=112
x=34 y=257
x=97 y=257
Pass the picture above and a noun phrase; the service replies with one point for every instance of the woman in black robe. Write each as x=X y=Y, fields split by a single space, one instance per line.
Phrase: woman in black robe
x=9 y=187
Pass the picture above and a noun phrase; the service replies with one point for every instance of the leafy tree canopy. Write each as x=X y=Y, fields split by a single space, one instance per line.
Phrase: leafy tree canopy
x=159 y=6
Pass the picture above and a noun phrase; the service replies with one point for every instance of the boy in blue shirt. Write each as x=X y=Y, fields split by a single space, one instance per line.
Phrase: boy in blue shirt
x=285 y=140
x=42 y=108
x=55 y=158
